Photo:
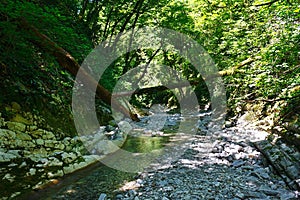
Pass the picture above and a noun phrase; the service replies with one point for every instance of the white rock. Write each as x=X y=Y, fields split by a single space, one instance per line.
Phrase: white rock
x=32 y=172
x=59 y=173
x=102 y=196
x=54 y=162
x=106 y=147
x=23 y=164
x=9 y=177
x=124 y=126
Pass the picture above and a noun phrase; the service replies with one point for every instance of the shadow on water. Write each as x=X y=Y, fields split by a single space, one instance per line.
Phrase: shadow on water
x=90 y=182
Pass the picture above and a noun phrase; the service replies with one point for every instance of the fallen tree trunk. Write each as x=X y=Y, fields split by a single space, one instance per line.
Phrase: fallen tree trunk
x=227 y=72
x=157 y=88
x=66 y=60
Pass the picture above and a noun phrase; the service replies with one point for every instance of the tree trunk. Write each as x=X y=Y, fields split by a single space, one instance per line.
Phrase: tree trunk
x=69 y=63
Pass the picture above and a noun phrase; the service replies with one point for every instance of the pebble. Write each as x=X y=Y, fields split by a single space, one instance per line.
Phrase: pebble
x=229 y=168
x=217 y=165
x=102 y=196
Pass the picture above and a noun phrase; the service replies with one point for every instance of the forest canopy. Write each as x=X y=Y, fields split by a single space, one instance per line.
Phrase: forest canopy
x=254 y=44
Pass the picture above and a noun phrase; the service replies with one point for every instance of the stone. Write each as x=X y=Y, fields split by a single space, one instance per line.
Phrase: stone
x=48 y=135
x=60 y=146
x=119 y=196
x=269 y=192
x=32 y=171
x=89 y=159
x=32 y=128
x=37 y=133
x=261 y=172
x=293 y=171
x=110 y=128
x=23 y=164
x=105 y=147
x=16 y=126
x=102 y=196
x=54 y=162
x=23 y=136
x=228 y=124
x=124 y=126
x=132 y=193
x=40 y=152
x=15 y=194
x=9 y=177
x=39 y=142
x=287 y=196
x=68 y=157
x=58 y=173
x=12 y=165
x=238 y=163
x=68 y=169
x=6 y=157
x=240 y=195
x=40 y=133
x=98 y=136
x=50 y=143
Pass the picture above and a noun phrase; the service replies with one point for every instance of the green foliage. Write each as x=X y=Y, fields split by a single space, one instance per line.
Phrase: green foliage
x=230 y=31
x=233 y=31
x=32 y=77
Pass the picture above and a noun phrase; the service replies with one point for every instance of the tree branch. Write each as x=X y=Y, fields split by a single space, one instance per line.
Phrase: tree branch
x=69 y=63
x=266 y=3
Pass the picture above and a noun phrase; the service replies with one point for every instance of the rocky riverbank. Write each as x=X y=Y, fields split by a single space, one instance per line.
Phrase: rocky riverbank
x=32 y=157
x=221 y=164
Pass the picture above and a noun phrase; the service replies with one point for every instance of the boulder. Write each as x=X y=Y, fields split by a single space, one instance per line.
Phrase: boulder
x=124 y=126
x=105 y=147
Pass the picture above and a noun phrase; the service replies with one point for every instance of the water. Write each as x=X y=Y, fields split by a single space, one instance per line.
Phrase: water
x=89 y=183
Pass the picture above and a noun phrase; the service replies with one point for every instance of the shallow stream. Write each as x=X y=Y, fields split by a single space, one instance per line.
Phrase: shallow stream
x=94 y=180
